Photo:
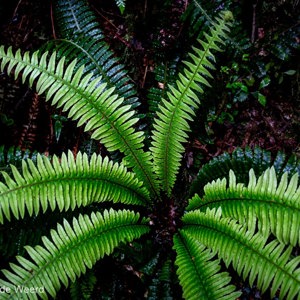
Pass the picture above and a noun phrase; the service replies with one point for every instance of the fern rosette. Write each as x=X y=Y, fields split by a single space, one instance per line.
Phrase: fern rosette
x=232 y=223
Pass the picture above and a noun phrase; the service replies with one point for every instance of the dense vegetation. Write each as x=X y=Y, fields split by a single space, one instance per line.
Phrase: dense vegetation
x=173 y=129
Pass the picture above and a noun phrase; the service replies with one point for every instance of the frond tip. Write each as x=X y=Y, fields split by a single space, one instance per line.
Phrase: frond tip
x=71 y=250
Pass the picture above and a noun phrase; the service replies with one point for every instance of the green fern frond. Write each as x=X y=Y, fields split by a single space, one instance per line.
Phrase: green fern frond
x=67 y=184
x=241 y=161
x=198 y=271
x=88 y=102
x=71 y=250
x=268 y=264
x=275 y=204
x=74 y=18
x=171 y=124
x=79 y=36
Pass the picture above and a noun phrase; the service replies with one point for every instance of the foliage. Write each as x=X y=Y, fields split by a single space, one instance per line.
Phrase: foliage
x=260 y=58
x=123 y=208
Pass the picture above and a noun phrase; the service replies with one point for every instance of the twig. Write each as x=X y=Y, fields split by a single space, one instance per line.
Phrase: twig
x=253 y=23
x=145 y=75
x=16 y=9
x=52 y=21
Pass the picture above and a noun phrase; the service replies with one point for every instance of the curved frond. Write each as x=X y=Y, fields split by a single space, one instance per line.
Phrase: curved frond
x=67 y=184
x=71 y=250
x=276 y=204
x=171 y=124
x=270 y=265
x=87 y=102
x=241 y=161
x=198 y=271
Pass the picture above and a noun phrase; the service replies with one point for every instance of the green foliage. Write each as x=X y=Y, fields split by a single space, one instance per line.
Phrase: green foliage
x=41 y=186
x=251 y=255
x=248 y=225
x=195 y=264
x=183 y=99
x=121 y=4
x=72 y=249
x=80 y=37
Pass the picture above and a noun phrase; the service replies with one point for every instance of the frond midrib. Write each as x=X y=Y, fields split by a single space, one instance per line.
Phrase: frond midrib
x=74 y=16
x=265 y=203
x=72 y=179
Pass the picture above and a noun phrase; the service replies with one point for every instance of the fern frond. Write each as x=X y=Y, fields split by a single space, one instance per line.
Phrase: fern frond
x=71 y=250
x=198 y=271
x=121 y=5
x=88 y=102
x=275 y=204
x=67 y=184
x=241 y=161
x=171 y=124
x=268 y=264
x=80 y=37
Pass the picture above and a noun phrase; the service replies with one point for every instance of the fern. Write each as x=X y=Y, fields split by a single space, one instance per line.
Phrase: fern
x=121 y=4
x=82 y=289
x=72 y=250
x=249 y=225
x=14 y=155
x=164 y=75
x=167 y=142
x=269 y=263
